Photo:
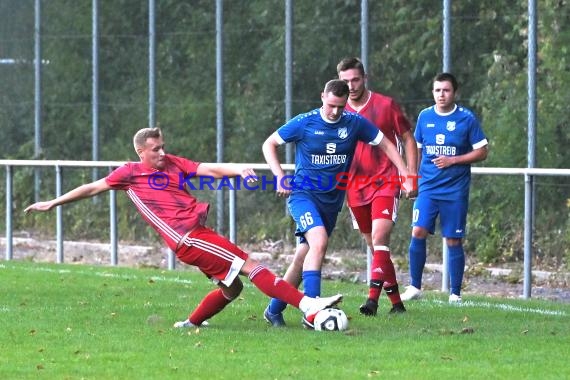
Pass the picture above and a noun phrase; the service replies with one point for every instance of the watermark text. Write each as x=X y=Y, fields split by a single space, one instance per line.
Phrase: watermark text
x=341 y=181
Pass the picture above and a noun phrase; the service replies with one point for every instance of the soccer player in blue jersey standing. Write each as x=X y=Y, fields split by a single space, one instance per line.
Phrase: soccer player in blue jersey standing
x=325 y=141
x=449 y=139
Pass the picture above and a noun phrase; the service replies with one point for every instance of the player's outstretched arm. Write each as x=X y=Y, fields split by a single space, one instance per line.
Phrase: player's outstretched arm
x=81 y=192
x=216 y=170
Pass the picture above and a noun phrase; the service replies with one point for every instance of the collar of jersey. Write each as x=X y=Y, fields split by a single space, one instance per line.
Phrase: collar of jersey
x=446 y=113
x=327 y=120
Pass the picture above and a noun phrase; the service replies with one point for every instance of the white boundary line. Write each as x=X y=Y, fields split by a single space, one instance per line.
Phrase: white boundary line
x=436 y=302
x=500 y=306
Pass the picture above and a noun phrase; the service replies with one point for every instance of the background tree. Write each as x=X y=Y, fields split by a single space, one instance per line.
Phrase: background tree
x=489 y=53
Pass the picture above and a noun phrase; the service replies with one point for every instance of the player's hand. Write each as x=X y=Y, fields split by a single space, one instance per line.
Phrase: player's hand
x=248 y=174
x=413 y=192
x=283 y=186
x=39 y=206
x=410 y=187
x=409 y=194
x=442 y=162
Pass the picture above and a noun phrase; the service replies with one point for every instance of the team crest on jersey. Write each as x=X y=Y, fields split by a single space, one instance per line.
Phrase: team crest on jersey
x=343 y=133
x=450 y=126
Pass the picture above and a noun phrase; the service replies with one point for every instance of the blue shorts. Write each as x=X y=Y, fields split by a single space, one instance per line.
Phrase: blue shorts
x=452 y=215
x=308 y=214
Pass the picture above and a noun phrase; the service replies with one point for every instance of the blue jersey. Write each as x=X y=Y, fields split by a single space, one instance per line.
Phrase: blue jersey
x=324 y=151
x=452 y=134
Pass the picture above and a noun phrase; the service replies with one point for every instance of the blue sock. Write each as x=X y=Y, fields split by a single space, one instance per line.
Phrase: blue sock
x=417 y=255
x=456 y=268
x=276 y=306
x=312 y=283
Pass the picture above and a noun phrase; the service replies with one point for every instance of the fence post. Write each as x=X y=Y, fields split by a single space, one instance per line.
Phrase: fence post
x=113 y=225
x=9 y=247
x=232 y=209
x=59 y=216
x=444 y=267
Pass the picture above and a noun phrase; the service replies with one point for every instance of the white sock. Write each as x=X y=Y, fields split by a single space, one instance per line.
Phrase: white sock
x=305 y=304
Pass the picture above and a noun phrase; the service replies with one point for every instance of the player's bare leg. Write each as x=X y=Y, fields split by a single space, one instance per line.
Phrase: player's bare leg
x=273 y=313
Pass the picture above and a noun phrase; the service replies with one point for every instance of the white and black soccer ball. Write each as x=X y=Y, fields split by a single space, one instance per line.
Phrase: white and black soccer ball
x=331 y=319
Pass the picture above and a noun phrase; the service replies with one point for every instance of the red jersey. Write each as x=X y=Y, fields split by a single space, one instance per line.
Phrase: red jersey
x=161 y=197
x=372 y=172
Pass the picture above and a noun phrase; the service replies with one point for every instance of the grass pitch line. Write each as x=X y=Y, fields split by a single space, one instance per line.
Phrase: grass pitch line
x=500 y=306
x=177 y=280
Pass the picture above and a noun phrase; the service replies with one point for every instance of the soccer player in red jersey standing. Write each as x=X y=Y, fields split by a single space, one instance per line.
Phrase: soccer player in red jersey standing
x=373 y=193
x=157 y=187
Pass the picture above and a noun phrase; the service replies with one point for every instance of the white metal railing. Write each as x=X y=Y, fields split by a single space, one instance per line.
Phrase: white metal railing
x=528 y=174
x=58 y=165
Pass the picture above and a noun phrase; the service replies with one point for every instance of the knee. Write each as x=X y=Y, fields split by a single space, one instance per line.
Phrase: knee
x=234 y=290
x=419 y=233
x=452 y=242
x=319 y=248
x=248 y=266
x=380 y=239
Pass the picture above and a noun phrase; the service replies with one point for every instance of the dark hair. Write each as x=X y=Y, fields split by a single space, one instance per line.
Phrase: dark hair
x=337 y=87
x=447 y=77
x=350 y=63
x=139 y=140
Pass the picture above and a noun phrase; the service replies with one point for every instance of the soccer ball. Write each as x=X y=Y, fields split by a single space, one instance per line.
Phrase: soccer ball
x=331 y=319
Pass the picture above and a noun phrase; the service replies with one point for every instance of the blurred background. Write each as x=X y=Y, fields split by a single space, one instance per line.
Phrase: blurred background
x=489 y=58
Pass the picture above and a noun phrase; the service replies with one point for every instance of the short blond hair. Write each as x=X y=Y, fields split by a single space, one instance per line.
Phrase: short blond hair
x=139 y=139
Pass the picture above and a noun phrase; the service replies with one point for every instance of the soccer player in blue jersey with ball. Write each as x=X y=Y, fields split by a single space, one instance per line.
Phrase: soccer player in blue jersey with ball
x=449 y=139
x=325 y=141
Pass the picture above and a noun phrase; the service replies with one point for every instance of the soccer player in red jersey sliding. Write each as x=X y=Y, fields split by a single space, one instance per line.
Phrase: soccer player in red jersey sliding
x=156 y=186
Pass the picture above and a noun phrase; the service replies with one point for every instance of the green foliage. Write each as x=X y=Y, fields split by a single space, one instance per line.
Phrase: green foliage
x=488 y=53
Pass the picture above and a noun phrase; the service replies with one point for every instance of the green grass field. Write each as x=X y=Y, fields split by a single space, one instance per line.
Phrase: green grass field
x=64 y=321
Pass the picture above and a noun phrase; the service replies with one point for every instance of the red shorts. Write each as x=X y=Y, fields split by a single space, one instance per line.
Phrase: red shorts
x=213 y=254
x=379 y=208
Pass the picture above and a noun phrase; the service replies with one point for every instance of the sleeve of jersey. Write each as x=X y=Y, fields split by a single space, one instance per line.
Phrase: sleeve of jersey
x=290 y=132
x=476 y=135
x=372 y=134
x=120 y=178
x=418 y=133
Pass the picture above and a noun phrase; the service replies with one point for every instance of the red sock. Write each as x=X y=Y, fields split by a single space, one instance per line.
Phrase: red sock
x=210 y=305
x=274 y=286
x=393 y=294
x=388 y=273
x=376 y=278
